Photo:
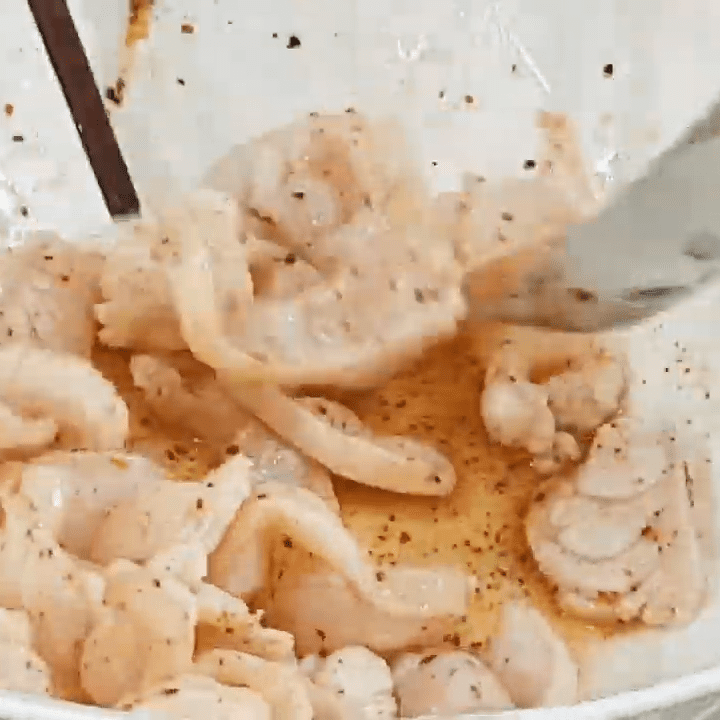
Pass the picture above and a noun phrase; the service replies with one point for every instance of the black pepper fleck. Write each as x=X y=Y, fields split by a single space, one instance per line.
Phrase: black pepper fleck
x=293 y=42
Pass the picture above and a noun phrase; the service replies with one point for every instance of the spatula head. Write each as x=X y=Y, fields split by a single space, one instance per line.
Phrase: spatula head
x=656 y=244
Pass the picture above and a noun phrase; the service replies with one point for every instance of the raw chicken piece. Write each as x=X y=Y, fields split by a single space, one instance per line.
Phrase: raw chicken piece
x=625 y=459
x=225 y=622
x=361 y=682
x=633 y=563
x=21 y=670
x=388 y=609
x=335 y=437
x=330 y=333
x=61 y=596
x=48 y=290
x=517 y=415
x=632 y=554
x=137 y=311
x=541 y=387
x=194 y=697
x=165 y=515
x=281 y=685
x=310 y=178
x=447 y=684
x=86 y=407
x=152 y=624
x=201 y=405
x=332 y=193
x=207 y=410
x=73 y=491
x=145 y=634
x=588 y=394
x=272 y=460
x=531 y=661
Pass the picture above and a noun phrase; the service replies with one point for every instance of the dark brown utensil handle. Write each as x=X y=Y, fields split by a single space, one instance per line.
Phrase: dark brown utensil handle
x=72 y=68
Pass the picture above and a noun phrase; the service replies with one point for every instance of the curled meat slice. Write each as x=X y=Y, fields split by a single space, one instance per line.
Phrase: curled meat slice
x=614 y=575
x=207 y=410
x=447 y=684
x=138 y=311
x=635 y=556
x=165 y=515
x=335 y=437
x=531 y=660
x=311 y=177
x=73 y=491
x=281 y=685
x=192 y=697
x=342 y=332
x=48 y=290
x=145 y=634
x=388 y=608
x=359 y=680
x=87 y=408
x=675 y=592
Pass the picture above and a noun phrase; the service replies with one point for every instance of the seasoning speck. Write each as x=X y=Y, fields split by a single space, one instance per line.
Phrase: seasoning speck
x=9 y=110
x=529 y=164
x=293 y=42
x=608 y=70
x=187 y=28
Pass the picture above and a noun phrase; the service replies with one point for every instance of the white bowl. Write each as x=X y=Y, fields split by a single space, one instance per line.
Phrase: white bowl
x=466 y=76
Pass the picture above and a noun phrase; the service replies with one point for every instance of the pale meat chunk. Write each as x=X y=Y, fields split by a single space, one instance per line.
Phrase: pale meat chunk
x=631 y=556
x=137 y=311
x=48 y=290
x=531 y=660
x=73 y=491
x=162 y=516
x=544 y=392
x=145 y=634
x=61 y=595
x=87 y=408
x=280 y=684
x=447 y=684
x=192 y=697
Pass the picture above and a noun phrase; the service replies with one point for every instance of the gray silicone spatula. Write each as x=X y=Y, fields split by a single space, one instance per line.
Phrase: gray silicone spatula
x=653 y=246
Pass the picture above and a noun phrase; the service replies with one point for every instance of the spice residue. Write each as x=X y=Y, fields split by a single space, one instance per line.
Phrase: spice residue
x=139 y=21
